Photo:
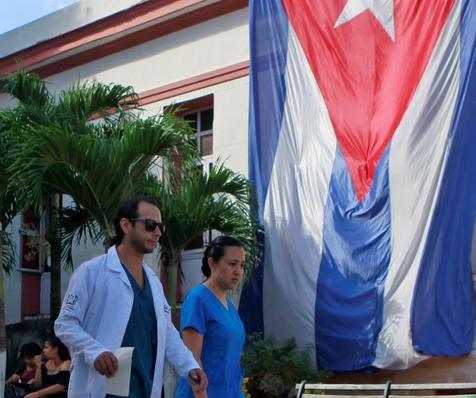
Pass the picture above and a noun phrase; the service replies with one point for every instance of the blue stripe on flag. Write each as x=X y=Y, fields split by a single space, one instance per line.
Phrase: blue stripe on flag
x=356 y=255
x=442 y=321
x=268 y=48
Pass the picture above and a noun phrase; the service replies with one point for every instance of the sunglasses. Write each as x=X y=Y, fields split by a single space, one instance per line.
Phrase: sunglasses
x=150 y=225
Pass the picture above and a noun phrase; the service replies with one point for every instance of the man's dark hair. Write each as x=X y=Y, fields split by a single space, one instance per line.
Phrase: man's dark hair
x=129 y=210
x=30 y=350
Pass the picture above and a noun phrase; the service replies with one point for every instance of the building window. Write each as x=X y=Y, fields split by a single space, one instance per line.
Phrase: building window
x=31 y=241
x=202 y=123
x=199 y=113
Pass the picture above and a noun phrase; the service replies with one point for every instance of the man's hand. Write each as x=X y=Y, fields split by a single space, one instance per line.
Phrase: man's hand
x=196 y=394
x=198 y=380
x=106 y=364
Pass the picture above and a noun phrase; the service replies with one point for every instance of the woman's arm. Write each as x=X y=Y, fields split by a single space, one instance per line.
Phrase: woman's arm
x=37 y=370
x=65 y=365
x=194 y=341
x=61 y=383
x=46 y=391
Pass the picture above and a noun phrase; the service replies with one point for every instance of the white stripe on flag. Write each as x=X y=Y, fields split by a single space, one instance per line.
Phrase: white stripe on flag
x=295 y=202
x=417 y=162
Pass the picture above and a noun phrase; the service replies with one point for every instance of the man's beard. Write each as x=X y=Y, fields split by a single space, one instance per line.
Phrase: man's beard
x=140 y=246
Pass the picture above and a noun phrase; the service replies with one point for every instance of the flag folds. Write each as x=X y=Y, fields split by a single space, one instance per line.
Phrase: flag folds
x=363 y=155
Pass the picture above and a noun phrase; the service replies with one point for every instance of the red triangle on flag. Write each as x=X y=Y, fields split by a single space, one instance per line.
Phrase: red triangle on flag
x=366 y=78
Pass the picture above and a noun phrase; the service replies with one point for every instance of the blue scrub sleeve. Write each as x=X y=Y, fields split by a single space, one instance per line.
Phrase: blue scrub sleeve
x=193 y=314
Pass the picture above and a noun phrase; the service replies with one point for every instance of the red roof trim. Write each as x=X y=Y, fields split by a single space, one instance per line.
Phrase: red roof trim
x=192 y=84
x=195 y=83
x=106 y=28
x=189 y=105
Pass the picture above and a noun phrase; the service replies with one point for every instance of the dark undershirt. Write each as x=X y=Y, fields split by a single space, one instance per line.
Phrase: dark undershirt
x=141 y=333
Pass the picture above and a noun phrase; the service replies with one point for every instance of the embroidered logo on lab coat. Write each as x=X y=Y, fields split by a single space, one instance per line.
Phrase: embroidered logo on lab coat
x=71 y=300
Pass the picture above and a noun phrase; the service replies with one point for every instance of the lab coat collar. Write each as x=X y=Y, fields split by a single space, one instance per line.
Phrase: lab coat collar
x=114 y=264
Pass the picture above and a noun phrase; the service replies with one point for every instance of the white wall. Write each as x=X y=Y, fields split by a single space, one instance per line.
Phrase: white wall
x=191 y=263
x=177 y=56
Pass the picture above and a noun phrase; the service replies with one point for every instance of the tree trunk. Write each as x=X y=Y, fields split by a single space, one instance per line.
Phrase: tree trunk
x=3 y=334
x=170 y=376
x=54 y=235
x=172 y=272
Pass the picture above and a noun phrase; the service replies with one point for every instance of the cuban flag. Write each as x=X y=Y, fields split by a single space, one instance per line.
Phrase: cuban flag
x=363 y=156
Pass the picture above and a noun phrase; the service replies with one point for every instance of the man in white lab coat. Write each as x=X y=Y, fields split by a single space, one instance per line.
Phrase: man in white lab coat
x=116 y=300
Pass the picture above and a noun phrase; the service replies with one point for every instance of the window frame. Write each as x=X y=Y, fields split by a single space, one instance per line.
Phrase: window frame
x=38 y=231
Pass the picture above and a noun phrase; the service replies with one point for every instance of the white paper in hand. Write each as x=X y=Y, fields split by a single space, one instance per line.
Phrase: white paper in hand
x=119 y=383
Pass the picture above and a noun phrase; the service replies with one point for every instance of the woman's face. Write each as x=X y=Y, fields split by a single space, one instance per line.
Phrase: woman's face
x=49 y=351
x=227 y=272
x=29 y=361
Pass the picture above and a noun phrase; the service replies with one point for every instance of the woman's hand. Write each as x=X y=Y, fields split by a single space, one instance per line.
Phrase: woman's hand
x=13 y=379
x=37 y=361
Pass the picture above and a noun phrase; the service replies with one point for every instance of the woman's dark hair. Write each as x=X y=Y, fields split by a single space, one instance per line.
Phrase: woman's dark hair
x=216 y=250
x=129 y=210
x=55 y=342
x=30 y=350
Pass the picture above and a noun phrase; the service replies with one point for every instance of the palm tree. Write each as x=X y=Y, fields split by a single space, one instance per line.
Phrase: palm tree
x=61 y=150
x=9 y=208
x=99 y=172
x=99 y=164
x=219 y=200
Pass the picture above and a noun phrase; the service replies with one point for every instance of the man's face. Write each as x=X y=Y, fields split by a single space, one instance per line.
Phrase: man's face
x=140 y=238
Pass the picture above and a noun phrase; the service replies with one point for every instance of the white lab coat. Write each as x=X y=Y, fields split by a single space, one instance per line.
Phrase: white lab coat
x=93 y=319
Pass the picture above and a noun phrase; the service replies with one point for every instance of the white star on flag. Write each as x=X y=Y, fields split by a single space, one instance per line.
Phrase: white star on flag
x=382 y=10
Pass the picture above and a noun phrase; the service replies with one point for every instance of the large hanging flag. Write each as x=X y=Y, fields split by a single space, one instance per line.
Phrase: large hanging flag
x=363 y=155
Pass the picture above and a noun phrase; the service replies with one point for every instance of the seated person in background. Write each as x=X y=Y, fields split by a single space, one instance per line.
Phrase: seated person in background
x=20 y=383
x=26 y=373
x=52 y=377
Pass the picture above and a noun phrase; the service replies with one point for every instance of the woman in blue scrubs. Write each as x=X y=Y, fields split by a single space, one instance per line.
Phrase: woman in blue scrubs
x=211 y=327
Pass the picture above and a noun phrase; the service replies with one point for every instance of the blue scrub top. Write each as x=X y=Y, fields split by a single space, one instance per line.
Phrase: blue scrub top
x=223 y=340
x=141 y=333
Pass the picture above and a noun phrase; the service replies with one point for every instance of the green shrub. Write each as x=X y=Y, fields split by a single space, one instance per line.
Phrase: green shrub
x=273 y=368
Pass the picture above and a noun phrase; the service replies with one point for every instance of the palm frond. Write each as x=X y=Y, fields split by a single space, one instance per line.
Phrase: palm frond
x=26 y=87
x=78 y=226
x=78 y=103
x=99 y=172
x=8 y=251
x=219 y=201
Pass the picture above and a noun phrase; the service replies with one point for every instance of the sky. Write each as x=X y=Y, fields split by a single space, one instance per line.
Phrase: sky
x=15 y=13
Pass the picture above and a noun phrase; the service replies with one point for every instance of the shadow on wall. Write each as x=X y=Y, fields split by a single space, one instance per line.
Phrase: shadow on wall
x=32 y=330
